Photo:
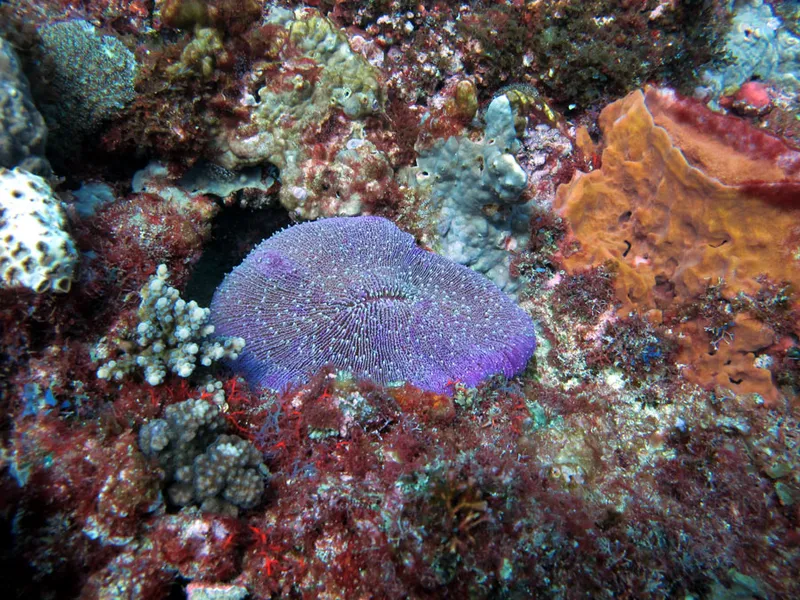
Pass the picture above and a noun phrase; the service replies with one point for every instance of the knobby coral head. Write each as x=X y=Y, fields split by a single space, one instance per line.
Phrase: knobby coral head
x=358 y=293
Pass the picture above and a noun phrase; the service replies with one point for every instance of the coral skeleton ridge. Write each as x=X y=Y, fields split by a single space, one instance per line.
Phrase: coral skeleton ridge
x=357 y=293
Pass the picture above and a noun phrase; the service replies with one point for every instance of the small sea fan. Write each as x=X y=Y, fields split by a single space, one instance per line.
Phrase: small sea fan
x=358 y=294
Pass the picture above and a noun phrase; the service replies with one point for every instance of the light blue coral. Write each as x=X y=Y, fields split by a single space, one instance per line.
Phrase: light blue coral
x=474 y=188
x=758 y=45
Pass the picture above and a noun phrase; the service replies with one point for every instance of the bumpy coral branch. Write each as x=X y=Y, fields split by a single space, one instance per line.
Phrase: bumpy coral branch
x=173 y=335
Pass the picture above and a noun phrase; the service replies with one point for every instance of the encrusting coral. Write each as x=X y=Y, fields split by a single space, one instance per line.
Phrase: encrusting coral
x=23 y=134
x=36 y=250
x=474 y=188
x=322 y=86
x=359 y=294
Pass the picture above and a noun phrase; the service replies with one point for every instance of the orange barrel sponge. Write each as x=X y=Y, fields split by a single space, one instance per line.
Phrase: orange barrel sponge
x=687 y=198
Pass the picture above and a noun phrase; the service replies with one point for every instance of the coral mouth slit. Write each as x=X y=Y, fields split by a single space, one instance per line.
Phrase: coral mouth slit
x=358 y=294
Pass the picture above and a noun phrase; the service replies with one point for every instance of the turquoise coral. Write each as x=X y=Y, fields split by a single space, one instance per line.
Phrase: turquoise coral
x=474 y=190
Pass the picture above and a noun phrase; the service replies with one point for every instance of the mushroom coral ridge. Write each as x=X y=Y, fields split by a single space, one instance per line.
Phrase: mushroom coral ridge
x=358 y=294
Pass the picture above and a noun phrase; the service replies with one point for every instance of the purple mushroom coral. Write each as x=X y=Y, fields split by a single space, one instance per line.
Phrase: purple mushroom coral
x=358 y=293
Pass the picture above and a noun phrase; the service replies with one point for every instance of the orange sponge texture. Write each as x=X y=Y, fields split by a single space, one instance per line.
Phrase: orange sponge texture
x=684 y=199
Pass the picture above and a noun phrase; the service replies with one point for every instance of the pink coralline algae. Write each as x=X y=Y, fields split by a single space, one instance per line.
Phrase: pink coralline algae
x=360 y=295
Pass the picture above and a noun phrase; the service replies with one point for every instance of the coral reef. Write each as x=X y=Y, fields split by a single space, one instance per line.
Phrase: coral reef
x=586 y=51
x=37 y=252
x=172 y=335
x=358 y=294
x=617 y=417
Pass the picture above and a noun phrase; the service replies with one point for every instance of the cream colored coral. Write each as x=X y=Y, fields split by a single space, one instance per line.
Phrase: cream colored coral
x=172 y=336
x=320 y=76
x=35 y=250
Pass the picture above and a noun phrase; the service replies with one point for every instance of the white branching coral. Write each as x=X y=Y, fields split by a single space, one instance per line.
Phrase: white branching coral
x=172 y=335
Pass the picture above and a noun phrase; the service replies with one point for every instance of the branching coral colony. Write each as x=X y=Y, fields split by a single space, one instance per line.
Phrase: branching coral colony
x=398 y=433
x=172 y=336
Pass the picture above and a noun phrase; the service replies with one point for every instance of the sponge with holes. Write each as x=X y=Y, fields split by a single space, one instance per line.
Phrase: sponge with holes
x=35 y=249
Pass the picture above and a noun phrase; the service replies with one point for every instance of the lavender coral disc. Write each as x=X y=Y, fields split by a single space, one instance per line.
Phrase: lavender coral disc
x=358 y=293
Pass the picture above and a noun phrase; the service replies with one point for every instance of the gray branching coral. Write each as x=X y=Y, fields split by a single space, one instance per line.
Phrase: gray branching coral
x=221 y=473
x=359 y=294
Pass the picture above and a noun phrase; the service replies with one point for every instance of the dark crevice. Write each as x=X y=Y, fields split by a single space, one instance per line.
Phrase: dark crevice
x=235 y=232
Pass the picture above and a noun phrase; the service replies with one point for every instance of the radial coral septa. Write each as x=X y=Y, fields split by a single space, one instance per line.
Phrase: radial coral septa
x=358 y=294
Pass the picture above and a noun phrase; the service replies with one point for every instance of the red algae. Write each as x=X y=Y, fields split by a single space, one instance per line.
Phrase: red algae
x=769 y=158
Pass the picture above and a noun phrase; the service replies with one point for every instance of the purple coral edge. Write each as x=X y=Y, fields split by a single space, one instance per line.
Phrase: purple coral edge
x=270 y=260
